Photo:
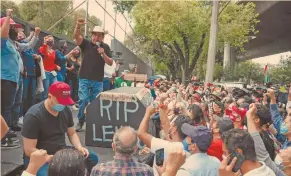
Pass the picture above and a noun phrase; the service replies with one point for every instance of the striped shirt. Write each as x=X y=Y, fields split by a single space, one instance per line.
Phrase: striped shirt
x=122 y=165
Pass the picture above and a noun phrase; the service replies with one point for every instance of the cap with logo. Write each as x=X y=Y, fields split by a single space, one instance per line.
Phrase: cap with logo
x=200 y=135
x=11 y=22
x=62 y=92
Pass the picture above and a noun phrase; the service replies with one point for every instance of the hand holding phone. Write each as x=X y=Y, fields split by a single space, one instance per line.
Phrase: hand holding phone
x=227 y=165
x=239 y=161
x=160 y=157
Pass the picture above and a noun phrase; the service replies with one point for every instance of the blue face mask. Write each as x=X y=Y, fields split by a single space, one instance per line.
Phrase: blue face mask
x=58 y=107
x=283 y=128
x=185 y=145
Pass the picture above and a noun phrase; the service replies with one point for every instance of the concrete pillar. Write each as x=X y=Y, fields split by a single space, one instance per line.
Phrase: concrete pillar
x=232 y=57
x=226 y=55
x=212 y=43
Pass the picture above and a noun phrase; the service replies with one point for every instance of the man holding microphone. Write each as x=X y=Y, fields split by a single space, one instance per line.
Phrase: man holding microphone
x=95 y=54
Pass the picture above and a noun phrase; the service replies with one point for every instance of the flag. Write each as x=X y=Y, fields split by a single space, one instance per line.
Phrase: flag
x=266 y=74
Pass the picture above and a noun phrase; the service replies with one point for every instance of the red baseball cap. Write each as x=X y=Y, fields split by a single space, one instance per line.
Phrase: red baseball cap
x=11 y=22
x=62 y=92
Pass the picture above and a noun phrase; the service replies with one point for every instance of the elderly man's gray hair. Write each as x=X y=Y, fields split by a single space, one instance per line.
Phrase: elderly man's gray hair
x=125 y=140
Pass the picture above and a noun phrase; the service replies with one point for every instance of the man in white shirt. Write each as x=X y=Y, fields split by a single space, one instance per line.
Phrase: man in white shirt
x=173 y=131
x=109 y=74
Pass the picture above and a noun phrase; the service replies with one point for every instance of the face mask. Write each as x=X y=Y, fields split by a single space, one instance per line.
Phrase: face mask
x=13 y=34
x=283 y=128
x=58 y=107
x=65 y=48
x=176 y=111
x=49 y=43
x=185 y=145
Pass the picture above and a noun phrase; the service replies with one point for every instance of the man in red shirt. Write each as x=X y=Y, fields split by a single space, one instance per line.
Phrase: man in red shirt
x=49 y=56
x=220 y=126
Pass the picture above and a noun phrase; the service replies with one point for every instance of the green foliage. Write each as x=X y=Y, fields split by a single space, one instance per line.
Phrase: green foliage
x=46 y=13
x=179 y=30
x=124 y=6
x=245 y=71
x=281 y=72
x=161 y=68
x=218 y=71
x=10 y=5
x=236 y=22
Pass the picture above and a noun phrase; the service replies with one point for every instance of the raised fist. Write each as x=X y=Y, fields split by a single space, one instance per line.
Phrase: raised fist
x=9 y=12
x=81 y=21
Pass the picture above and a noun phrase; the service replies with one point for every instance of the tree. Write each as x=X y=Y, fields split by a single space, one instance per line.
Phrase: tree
x=281 y=72
x=10 y=5
x=46 y=13
x=180 y=28
x=246 y=71
x=218 y=71
x=124 y=6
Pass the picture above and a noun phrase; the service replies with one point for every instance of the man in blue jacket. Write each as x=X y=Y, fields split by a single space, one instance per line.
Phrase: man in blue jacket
x=283 y=126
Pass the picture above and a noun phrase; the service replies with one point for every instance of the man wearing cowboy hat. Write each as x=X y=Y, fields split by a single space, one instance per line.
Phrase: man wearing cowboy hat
x=95 y=54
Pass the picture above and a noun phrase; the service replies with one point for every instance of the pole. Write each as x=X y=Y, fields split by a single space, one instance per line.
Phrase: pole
x=226 y=55
x=212 y=43
x=86 y=24
x=115 y=32
x=104 y=15
x=65 y=16
x=125 y=29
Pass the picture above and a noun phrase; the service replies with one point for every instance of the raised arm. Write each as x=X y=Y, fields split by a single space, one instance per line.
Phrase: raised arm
x=261 y=151
x=276 y=117
x=31 y=34
x=31 y=43
x=142 y=133
x=165 y=123
x=6 y=25
x=77 y=32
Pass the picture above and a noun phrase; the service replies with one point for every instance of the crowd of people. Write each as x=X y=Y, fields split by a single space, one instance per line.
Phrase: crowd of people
x=201 y=129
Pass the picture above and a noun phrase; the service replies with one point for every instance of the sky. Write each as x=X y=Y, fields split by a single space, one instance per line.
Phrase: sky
x=106 y=18
x=271 y=60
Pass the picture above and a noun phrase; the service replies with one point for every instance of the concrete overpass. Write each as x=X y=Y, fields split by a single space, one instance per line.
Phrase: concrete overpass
x=274 y=32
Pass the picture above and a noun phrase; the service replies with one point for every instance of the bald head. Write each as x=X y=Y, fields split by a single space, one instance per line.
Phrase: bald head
x=125 y=141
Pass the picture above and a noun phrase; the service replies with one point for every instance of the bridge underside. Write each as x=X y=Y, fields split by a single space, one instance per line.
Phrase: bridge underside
x=274 y=30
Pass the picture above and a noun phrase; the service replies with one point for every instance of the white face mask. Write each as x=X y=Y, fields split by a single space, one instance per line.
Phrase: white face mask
x=278 y=160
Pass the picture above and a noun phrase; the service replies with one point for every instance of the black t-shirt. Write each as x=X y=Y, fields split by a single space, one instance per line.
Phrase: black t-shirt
x=74 y=72
x=49 y=130
x=92 y=66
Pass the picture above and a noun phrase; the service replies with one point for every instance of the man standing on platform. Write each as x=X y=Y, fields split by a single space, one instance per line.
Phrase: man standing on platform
x=95 y=54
